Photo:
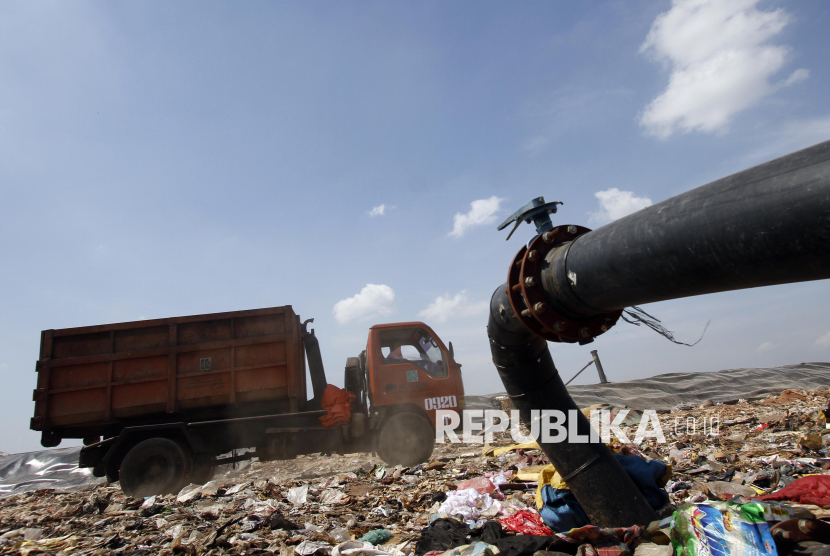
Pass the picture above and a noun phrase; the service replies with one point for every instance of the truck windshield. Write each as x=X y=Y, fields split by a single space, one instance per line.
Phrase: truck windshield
x=413 y=346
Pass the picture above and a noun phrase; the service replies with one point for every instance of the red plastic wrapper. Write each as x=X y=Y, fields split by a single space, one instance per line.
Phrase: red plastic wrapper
x=813 y=489
x=483 y=485
x=527 y=523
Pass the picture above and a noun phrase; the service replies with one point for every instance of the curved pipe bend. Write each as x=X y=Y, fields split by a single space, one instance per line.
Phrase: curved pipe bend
x=598 y=481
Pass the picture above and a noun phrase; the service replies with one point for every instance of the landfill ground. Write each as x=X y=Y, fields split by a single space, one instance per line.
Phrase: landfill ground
x=313 y=503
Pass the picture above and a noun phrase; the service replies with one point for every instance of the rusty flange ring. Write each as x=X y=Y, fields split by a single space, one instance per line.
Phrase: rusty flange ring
x=527 y=298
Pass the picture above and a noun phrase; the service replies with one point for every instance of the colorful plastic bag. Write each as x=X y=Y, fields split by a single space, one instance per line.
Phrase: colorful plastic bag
x=721 y=528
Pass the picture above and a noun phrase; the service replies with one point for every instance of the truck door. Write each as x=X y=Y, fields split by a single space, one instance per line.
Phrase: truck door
x=413 y=369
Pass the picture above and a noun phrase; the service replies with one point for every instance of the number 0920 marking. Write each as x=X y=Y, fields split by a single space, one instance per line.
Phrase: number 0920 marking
x=441 y=402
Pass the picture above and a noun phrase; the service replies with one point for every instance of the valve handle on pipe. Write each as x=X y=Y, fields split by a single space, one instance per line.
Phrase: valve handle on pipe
x=532 y=305
x=536 y=210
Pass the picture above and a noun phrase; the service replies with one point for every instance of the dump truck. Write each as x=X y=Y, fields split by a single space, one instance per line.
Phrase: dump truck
x=160 y=403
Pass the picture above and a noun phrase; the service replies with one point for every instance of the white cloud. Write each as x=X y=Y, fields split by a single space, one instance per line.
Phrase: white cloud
x=373 y=300
x=720 y=63
x=379 y=210
x=797 y=76
x=824 y=341
x=766 y=346
x=445 y=307
x=614 y=204
x=482 y=212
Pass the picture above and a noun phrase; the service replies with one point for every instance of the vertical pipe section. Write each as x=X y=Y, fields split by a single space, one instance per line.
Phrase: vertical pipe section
x=600 y=370
x=598 y=481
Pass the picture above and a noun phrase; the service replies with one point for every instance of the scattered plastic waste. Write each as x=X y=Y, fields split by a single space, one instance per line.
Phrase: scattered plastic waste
x=721 y=528
x=526 y=522
x=298 y=495
x=378 y=536
x=315 y=505
x=473 y=507
x=482 y=485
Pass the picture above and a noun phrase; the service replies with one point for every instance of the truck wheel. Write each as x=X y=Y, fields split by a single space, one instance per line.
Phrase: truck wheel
x=154 y=466
x=406 y=439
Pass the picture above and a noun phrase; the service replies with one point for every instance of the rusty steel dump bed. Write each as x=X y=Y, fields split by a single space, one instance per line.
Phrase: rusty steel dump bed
x=97 y=379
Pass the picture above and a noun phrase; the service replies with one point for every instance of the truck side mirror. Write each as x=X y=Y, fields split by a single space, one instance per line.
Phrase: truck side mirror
x=452 y=356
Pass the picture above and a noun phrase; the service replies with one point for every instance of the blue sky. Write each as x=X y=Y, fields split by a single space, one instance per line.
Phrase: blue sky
x=161 y=159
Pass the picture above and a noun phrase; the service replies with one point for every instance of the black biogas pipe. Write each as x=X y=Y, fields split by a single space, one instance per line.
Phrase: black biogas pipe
x=598 y=481
x=766 y=225
x=763 y=226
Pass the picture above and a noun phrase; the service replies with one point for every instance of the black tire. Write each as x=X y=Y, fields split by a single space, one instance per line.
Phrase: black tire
x=406 y=439
x=155 y=466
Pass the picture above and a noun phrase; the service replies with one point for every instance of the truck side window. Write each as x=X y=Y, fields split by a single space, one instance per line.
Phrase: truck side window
x=414 y=346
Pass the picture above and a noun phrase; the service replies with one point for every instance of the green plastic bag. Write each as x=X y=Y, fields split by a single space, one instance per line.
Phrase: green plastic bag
x=378 y=536
x=721 y=529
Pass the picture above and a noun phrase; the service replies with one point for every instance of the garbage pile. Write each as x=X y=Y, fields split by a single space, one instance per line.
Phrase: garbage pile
x=752 y=477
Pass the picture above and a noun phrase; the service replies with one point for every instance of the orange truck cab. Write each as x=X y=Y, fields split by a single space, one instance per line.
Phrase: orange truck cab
x=410 y=368
x=403 y=377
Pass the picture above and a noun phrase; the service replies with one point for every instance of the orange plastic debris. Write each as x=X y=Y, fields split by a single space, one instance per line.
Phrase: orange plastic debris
x=337 y=403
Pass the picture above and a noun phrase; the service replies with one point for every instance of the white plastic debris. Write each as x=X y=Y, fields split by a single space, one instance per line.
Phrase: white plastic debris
x=235 y=488
x=471 y=506
x=32 y=534
x=357 y=548
x=188 y=493
x=332 y=496
x=651 y=549
x=314 y=528
x=298 y=495
x=210 y=488
x=177 y=531
x=306 y=548
x=340 y=534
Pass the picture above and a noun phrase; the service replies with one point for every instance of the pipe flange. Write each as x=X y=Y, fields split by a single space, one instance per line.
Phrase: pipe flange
x=527 y=296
